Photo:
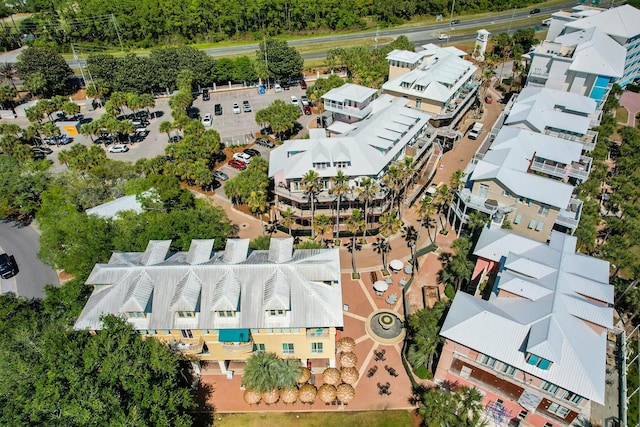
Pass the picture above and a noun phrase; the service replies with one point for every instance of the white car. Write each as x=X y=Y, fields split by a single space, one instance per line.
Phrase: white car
x=277 y=88
x=208 y=120
x=443 y=36
x=294 y=100
x=243 y=157
x=236 y=108
x=118 y=148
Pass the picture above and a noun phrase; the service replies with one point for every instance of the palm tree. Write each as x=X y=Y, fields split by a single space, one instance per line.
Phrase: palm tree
x=311 y=184
x=257 y=202
x=407 y=174
x=382 y=247
x=438 y=408
x=389 y=224
x=426 y=211
x=443 y=199
x=366 y=192
x=410 y=235
x=287 y=219
x=456 y=180
x=9 y=72
x=265 y=372
x=355 y=224
x=321 y=225
x=393 y=180
x=339 y=187
x=166 y=127
x=477 y=220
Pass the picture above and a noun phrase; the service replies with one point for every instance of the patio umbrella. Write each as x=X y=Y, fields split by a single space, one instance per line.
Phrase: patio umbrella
x=396 y=264
x=408 y=269
x=289 y=395
x=331 y=376
x=270 y=397
x=345 y=393
x=346 y=344
x=349 y=375
x=251 y=396
x=380 y=286
x=327 y=393
x=348 y=360
x=307 y=393
x=305 y=375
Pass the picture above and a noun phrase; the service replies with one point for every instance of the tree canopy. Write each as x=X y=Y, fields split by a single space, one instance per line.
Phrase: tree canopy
x=49 y=65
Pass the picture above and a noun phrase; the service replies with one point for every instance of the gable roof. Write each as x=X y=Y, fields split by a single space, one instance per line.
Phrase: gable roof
x=622 y=21
x=595 y=53
x=305 y=283
x=546 y=314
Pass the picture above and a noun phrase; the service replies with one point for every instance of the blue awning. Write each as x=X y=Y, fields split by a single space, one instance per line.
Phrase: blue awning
x=233 y=335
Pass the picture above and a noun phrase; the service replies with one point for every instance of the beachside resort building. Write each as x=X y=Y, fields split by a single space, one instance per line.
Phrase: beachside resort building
x=537 y=348
x=223 y=306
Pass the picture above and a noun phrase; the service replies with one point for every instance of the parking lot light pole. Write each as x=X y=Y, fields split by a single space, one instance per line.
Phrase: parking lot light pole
x=266 y=62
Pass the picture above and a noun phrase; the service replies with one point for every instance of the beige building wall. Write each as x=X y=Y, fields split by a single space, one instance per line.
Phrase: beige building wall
x=395 y=71
x=426 y=105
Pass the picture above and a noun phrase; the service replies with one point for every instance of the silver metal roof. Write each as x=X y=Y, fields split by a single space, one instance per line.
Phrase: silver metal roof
x=548 y=312
x=304 y=283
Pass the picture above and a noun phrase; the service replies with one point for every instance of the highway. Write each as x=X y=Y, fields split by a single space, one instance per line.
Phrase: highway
x=417 y=35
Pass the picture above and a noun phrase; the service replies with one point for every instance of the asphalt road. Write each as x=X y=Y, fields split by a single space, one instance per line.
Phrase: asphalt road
x=23 y=243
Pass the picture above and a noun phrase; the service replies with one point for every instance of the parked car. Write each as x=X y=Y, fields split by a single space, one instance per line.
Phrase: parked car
x=208 y=120
x=220 y=156
x=236 y=108
x=214 y=184
x=303 y=84
x=217 y=110
x=243 y=157
x=534 y=11
x=307 y=110
x=175 y=138
x=304 y=100
x=237 y=164
x=220 y=175
x=294 y=100
x=476 y=129
x=246 y=107
x=118 y=148
x=205 y=95
x=455 y=22
x=277 y=88
x=265 y=142
x=45 y=150
x=8 y=266
x=443 y=36
x=285 y=85
x=251 y=152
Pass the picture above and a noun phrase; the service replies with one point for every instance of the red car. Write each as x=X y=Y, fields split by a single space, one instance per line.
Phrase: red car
x=303 y=84
x=237 y=164
x=307 y=110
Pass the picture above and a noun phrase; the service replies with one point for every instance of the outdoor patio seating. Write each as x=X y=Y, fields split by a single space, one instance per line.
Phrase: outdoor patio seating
x=379 y=355
x=383 y=389
x=389 y=280
x=391 y=299
x=372 y=371
x=391 y=371
x=402 y=282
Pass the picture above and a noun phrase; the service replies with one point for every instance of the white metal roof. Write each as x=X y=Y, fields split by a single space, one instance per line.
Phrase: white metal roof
x=509 y=158
x=349 y=91
x=113 y=208
x=439 y=76
x=404 y=56
x=539 y=107
x=552 y=324
x=369 y=146
x=622 y=21
x=595 y=53
x=306 y=283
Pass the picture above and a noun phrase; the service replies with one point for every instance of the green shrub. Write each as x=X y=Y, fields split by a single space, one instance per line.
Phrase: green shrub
x=423 y=373
x=633 y=87
x=449 y=291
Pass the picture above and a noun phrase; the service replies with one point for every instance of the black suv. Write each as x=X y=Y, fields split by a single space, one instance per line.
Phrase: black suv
x=534 y=11
x=8 y=266
x=217 y=110
x=205 y=95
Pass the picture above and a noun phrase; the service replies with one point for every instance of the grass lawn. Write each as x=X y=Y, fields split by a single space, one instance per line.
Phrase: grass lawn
x=622 y=115
x=317 y=419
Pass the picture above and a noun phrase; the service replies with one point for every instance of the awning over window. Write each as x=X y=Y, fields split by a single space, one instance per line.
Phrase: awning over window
x=233 y=335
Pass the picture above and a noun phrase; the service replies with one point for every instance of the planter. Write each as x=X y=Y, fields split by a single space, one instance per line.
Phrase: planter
x=386 y=321
x=355 y=276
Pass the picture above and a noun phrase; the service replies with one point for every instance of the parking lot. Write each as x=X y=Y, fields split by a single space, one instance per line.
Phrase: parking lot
x=234 y=129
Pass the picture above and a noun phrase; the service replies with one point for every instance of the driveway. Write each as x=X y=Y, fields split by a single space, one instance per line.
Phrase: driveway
x=23 y=243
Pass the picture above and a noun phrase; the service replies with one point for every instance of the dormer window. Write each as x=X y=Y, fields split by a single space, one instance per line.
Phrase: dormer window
x=136 y=314
x=276 y=313
x=186 y=313
x=226 y=313
x=538 y=361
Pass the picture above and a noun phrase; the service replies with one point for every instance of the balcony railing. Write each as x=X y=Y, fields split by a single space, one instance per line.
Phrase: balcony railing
x=570 y=217
x=318 y=333
x=238 y=348
x=482 y=204
x=192 y=347
x=559 y=171
x=347 y=110
x=539 y=72
x=581 y=169
x=588 y=140
x=465 y=96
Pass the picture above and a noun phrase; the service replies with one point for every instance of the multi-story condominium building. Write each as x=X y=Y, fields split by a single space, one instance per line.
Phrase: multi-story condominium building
x=390 y=132
x=222 y=306
x=554 y=112
x=437 y=80
x=621 y=23
x=527 y=178
x=537 y=349
x=585 y=62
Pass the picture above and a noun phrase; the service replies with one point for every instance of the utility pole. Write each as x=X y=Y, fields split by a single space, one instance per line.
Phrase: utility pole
x=377 y=35
x=75 y=56
x=266 y=63
x=453 y=3
x=511 y=20
x=115 y=25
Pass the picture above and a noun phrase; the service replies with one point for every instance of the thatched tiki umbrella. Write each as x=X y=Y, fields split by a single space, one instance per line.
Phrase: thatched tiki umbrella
x=270 y=397
x=331 y=376
x=327 y=393
x=307 y=393
x=346 y=393
x=289 y=395
x=305 y=375
x=348 y=360
x=346 y=344
x=251 y=396
x=349 y=375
